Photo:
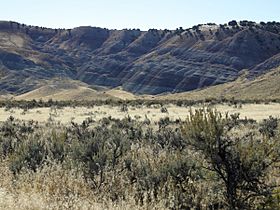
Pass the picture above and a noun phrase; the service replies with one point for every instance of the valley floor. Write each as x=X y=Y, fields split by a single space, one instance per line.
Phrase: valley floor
x=138 y=156
x=79 y=114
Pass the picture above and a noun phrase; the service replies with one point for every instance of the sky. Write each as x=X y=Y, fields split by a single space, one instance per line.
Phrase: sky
x=142 y=14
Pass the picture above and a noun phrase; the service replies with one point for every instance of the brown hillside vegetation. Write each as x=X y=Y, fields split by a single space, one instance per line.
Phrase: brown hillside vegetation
x=265 y=87
x=62 y=89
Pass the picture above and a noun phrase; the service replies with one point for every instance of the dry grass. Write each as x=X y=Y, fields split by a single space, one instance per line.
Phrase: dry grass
x=59 y=186
x=67 y=89
x=78 y=114
x=265 y=86
x=119 y=93
x=64 y=89
x=53 y=187
x=11 y=41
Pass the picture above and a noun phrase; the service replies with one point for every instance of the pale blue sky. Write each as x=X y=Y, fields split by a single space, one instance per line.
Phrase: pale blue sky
x=143 y=14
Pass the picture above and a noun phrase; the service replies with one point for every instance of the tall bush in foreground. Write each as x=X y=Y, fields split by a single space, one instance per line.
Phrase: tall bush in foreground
x=241 y=163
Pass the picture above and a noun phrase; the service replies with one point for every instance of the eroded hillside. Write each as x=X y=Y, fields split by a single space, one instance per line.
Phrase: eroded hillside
x=142 y=62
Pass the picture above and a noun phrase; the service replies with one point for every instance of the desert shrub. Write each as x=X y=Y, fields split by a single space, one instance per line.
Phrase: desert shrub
x=26 y=105
x=269 y=126
x=147 y=121
x=170 y=181
x=163 y=122
x=241 y=163
x=12 y=133
x=30 y=154
x=271 y=202
x=57 y=146
x=163 y=109
x=208 y=161
x=179 y=103
x=100 y=151
x=124 y=108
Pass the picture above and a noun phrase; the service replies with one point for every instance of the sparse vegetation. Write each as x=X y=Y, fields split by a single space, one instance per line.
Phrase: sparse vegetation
x=31 y=104
x=124 y=134
x=207 y=161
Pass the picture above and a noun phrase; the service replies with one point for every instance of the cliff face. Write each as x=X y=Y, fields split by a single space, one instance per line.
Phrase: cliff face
x=151 y=62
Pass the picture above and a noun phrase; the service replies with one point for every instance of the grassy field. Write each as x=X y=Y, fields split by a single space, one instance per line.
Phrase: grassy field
x=140 y=157
x=67 y=114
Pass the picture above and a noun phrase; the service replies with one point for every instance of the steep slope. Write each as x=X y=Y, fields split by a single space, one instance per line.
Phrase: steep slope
x=142 y=62
x=266 y=86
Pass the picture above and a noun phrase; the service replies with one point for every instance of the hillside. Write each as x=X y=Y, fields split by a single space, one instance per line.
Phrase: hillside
x=266 y=86
x=141 y=62
x=66 y=89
